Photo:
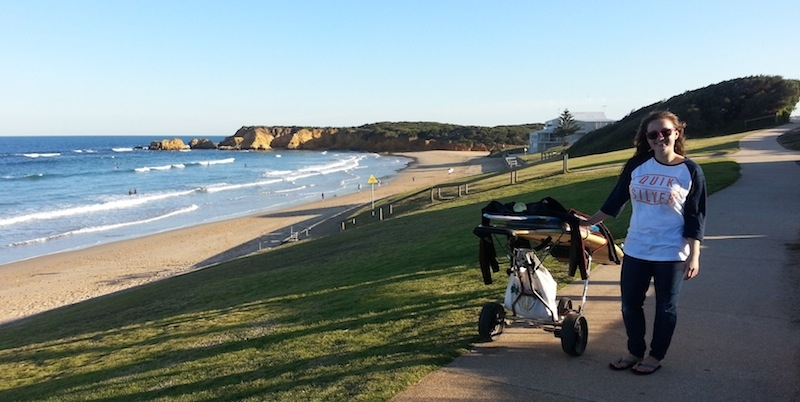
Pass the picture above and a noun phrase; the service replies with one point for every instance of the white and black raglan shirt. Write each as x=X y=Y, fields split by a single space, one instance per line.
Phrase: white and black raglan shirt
x=669 y=206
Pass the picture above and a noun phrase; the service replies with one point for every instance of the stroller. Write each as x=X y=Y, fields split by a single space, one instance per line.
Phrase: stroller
x=533 y=233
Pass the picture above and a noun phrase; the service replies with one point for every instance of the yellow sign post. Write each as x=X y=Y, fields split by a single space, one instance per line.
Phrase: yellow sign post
x=372 y=181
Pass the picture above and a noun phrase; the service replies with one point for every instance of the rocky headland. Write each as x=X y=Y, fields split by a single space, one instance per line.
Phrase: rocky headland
x=266 y=138
x=375 y=137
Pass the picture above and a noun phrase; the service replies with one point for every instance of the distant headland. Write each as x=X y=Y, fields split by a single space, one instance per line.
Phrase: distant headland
x=377 y=137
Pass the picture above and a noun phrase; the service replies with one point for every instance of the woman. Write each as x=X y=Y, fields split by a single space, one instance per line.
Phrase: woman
x=667 y=192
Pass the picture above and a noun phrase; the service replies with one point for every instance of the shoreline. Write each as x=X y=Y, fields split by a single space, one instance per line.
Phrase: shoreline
x=43 y=283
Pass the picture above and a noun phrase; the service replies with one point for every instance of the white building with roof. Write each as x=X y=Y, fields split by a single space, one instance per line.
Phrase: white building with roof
x=544 y=139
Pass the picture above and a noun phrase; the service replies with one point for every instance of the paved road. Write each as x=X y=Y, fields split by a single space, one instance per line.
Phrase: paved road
x=738 y=335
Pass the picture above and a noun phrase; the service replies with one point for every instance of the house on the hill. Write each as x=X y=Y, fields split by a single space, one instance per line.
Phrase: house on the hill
x=544 y=139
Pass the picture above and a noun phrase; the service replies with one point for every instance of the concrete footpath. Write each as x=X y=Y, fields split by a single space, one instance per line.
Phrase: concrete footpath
x=738 y=334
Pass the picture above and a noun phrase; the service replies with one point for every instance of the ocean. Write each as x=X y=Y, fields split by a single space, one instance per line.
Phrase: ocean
x=61 y=193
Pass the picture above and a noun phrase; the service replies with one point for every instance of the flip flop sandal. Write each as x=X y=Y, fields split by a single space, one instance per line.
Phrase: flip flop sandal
x=622 y=364
x=650 y=369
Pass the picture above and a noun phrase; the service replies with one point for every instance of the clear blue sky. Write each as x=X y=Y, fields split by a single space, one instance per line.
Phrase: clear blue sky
x=209 y=67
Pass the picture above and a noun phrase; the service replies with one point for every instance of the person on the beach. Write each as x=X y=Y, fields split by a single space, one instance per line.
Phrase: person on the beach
x=667 y=192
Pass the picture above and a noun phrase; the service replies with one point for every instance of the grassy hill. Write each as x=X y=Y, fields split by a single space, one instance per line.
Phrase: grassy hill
x=472 y=137
x=359 y=315
x=727 y=107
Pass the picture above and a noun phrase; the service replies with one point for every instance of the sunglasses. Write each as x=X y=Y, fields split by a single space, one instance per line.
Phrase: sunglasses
x=664 y=132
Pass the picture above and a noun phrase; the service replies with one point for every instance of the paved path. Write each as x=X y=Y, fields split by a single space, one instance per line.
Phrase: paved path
x=738 y=335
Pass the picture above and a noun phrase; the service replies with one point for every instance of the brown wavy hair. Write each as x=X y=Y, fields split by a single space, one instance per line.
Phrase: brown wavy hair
x=640 y=140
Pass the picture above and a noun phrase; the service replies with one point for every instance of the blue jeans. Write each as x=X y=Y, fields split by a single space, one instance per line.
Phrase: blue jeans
x=634 y=282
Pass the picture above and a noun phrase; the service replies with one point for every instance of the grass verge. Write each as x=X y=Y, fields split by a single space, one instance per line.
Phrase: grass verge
x=790 y=140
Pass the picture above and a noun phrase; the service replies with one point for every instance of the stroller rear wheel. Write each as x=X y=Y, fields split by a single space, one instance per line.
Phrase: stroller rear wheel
x=574 y=334
x=491 y=321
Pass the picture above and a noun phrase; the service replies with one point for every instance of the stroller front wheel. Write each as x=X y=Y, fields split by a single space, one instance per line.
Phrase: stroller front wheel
x=491 y=321
x=564 y=306
x=574 y=334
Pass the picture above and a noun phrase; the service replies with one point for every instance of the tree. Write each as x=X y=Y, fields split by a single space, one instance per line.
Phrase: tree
x=566 y=125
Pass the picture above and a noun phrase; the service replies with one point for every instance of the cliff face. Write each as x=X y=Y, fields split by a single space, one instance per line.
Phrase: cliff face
x=265 y=138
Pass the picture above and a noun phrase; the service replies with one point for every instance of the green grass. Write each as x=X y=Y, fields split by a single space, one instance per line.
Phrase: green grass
x=790 y=140
x=360 y=315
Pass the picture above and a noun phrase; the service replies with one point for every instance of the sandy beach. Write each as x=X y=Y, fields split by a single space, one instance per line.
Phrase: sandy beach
x=40 y=284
